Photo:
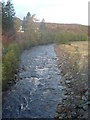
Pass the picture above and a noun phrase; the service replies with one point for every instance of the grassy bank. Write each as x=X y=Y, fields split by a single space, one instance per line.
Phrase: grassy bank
x=76 y=53
x=73 y=62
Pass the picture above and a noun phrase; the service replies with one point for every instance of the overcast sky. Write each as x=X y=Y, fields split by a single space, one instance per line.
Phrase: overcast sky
x=57 y=11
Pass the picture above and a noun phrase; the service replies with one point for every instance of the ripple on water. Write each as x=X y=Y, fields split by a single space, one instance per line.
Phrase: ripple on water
x=41 y=71
x=46 y=93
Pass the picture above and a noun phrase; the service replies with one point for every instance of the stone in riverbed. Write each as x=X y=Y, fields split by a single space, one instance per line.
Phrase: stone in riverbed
x=23 y=68
x=66 y=93
x=59 y=66
x=85 y=107
x=63 y=79
x=60 y=118
x=73 y=114
x=10 y=82
x=56 y=116
x=59 y=109
x=67 y=81
x=64 y=88
x=49 y=77
x=55 y=58
x=81 y=112
x=84 y=98
x=72 y=93
x=70 y=77
x=65 y=97
x=21 y=78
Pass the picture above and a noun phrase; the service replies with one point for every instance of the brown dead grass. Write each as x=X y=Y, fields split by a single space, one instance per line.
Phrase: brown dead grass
x=75 y=52
x=71 y=48
x=73 y=59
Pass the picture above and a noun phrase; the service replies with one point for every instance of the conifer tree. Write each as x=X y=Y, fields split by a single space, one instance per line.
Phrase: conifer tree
x=8 y=14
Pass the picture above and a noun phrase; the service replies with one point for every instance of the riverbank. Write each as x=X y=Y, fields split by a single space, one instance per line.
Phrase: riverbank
x=73 y=63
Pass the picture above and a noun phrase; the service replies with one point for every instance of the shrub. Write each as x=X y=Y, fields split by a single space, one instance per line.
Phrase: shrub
x=15 y=48
x=9 y=65
x=65 y=37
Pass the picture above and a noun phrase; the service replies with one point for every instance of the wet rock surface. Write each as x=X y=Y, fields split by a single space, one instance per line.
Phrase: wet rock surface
x=38 y=90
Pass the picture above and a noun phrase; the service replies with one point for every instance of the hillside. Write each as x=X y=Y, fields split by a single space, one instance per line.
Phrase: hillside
x=56 y=27
x=77 y=28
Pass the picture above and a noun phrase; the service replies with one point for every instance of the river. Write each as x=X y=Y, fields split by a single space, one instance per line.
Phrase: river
x=38 y=90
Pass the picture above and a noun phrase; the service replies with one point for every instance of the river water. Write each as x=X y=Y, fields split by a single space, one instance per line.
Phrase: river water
x=38 y=91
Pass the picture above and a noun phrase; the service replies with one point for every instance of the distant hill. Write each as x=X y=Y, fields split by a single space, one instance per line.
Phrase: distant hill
x=56 y=27
x=76 y=28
